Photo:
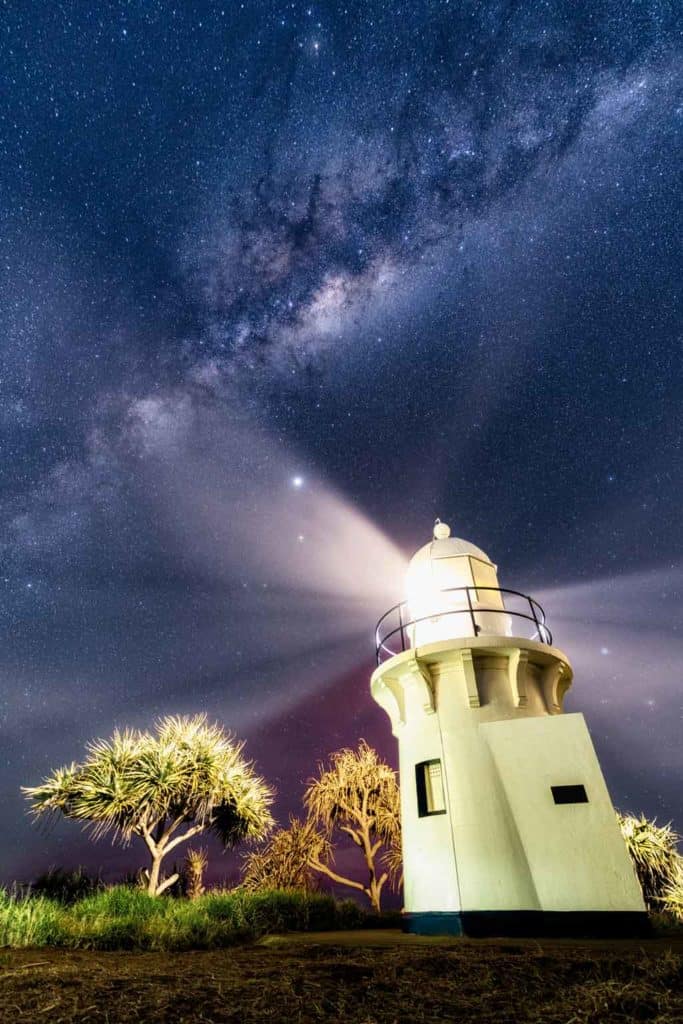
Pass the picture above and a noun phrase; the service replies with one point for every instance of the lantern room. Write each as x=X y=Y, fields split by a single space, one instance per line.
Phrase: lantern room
x=452 y=592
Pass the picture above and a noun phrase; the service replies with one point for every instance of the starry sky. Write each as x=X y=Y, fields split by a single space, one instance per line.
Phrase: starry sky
x=279 y=284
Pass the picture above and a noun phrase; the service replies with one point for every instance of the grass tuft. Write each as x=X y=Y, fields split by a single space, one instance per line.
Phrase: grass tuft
x=30 y=921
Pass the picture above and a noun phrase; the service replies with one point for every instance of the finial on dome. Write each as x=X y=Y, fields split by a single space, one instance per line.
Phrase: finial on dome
x=441 y=530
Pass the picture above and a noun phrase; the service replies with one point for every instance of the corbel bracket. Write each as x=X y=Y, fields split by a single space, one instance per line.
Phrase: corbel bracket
x=556 y=682
x=517 y=674
x=470 y=679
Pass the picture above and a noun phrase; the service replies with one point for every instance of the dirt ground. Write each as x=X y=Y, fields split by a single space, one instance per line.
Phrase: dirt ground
x=355 y=978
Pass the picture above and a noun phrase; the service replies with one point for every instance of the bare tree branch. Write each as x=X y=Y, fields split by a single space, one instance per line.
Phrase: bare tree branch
x=325 y=870
x=167 y=883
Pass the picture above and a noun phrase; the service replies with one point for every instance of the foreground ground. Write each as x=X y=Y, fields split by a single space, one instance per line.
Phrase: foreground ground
x=355 y=978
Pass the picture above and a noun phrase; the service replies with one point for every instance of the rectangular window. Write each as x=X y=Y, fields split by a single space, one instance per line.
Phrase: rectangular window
x=429 y=784
x=484 y=576
x=569 y=794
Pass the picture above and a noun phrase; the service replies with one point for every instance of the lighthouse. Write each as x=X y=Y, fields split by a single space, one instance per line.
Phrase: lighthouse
x=507 y=824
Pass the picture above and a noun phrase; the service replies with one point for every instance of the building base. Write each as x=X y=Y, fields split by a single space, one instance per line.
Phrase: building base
x=518 y=923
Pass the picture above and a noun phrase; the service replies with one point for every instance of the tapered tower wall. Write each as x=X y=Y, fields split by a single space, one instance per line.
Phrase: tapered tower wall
x=488 y=710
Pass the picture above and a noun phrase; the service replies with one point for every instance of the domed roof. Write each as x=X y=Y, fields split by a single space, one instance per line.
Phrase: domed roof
x=445 y=546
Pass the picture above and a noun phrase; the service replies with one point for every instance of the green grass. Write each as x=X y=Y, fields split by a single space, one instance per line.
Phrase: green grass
x=126 y=918
x=29 y=922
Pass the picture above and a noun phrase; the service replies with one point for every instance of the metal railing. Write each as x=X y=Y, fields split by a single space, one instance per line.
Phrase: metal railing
x=393 y=629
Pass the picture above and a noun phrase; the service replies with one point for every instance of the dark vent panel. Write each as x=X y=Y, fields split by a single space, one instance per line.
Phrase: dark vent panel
x=569 y=794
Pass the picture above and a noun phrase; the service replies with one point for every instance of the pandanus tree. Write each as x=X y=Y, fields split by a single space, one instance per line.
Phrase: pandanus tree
x=658 y=864
x=184 y=778
x=356 y=794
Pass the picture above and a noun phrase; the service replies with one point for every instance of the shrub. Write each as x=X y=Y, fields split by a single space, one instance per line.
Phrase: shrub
x=672 y=895
x=284 y=862
x=658 y=864
x=350 y=915
x=273 y=910
x=66 y=886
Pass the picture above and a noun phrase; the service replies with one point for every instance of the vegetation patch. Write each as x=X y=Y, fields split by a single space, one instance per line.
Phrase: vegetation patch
x=127 y=918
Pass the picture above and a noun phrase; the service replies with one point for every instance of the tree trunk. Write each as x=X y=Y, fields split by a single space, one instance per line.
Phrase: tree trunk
x=375 y=885
x=154 y=872
x=373 y=892
x=155 y=886
x=160 y=845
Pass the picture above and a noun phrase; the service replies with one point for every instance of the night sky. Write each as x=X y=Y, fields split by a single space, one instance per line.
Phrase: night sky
x=279 y=284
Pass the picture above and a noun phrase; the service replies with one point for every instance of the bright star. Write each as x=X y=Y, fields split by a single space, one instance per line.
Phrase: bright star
x=297 y=481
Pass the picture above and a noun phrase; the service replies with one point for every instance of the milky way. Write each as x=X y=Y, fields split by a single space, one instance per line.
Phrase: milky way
x=423 y=258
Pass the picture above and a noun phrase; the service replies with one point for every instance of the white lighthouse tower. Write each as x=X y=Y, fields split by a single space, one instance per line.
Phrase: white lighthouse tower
x=507 y=824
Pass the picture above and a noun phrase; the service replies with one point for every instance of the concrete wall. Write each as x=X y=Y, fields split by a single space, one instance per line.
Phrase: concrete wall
x=575 y=851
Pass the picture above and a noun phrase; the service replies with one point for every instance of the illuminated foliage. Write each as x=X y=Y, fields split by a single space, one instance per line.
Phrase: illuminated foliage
x=658 y=864
x=285 y=861
x=357 y=795
x=195 y=865
x=187 y=777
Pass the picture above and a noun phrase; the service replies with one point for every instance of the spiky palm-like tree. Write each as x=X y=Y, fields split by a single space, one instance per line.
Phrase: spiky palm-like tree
x=285 y=860
x=185 y=778
x=658 y=864
x=196 y=862
x=357 y=794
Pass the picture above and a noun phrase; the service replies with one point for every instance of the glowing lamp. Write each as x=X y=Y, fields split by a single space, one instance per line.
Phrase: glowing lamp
x=452 y=592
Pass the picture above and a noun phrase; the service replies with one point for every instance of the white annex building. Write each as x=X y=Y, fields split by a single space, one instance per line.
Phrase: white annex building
x=507 y=824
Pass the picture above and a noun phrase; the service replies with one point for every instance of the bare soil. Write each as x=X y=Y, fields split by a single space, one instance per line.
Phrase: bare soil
x=355 y=978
